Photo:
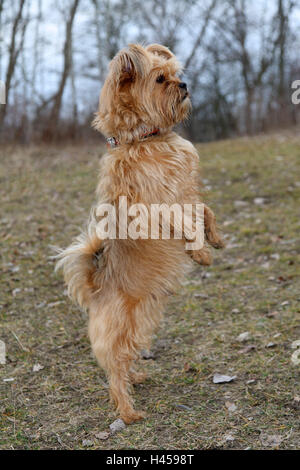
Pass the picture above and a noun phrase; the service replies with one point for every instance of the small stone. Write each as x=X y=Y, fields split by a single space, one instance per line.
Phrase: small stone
x=87 y=443
x=259 y=201
x=273 y=440
x=230 y=406
x=15 y=269
x=270 y=345
x=16 y=291
x=240 y=204
x=37 y=367
x=243 y=337
x=251 y=381
x=117 y=425
x=102 y=435
x=229 y=438
x=272 y=314
x=235 y=310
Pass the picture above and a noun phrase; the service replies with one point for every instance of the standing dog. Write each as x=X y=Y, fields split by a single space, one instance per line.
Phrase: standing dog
x=124 y=283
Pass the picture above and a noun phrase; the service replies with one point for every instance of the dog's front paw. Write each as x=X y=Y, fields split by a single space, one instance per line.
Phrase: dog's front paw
x=211 y=232
x=215 y=240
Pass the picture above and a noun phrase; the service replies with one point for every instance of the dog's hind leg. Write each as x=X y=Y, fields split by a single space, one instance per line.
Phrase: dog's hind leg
x=118 y=331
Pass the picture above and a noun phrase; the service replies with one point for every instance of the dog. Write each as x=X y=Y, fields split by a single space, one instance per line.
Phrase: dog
x=124 y=283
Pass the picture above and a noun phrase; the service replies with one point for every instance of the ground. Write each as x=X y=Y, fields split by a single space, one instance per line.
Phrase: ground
x=54 y=396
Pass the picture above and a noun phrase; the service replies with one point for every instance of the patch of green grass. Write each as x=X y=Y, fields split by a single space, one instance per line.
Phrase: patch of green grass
x=252 y=286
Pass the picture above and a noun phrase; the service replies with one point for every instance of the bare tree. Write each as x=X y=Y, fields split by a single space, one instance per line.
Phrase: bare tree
x=201 y=33
x=238 y=58
x=56 y=99
x=18 y=30
x=235 y=28
x=284 y=12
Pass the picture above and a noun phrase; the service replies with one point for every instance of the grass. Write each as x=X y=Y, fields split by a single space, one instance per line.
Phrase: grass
x=252 y=286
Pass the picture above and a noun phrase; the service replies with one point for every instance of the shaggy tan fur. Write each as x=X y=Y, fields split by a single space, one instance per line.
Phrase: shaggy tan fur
x=124 y=284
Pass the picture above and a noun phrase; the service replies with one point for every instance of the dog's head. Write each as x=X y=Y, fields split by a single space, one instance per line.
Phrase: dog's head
x=142 y=88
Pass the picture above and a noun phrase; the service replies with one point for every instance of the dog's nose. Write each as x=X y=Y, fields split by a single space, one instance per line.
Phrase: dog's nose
x=182 y=85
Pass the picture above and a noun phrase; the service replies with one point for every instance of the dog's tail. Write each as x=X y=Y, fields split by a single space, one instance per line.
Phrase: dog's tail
x=81 y=263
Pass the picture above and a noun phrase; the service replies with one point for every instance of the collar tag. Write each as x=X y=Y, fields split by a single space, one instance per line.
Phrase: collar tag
x=112 y=142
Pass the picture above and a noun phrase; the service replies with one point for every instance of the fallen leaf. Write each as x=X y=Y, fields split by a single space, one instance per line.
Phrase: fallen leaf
x=272 y=314
x=247 y=349
x=54 y=304
x=183 y=407
x=201 y=296
x=220 y=379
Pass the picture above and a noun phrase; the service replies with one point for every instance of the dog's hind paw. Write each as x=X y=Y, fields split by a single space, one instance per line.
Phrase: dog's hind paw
x=131 y=416
x=137 y=377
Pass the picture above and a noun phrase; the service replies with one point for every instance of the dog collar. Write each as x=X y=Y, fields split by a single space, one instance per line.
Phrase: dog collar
x=112 y=142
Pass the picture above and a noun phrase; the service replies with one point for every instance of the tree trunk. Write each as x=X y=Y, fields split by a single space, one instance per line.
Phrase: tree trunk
x=13 y=56
x=51 y=128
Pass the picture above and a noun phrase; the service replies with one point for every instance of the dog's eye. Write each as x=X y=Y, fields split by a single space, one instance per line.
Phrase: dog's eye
x=160 y=79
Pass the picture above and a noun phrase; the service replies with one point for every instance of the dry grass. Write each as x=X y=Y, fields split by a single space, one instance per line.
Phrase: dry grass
x=46 y=194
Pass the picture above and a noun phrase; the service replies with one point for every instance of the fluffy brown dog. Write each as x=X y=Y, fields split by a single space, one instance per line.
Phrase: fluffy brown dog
x=124 y=283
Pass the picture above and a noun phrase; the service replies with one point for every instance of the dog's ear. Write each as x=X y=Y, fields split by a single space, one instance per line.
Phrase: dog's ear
x=162 y=51
x=129 y=64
